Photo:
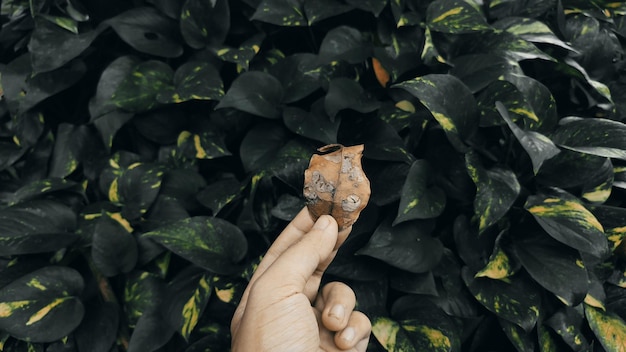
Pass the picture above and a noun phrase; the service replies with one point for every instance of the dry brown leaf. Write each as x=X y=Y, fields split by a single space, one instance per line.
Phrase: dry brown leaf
x=335 y=184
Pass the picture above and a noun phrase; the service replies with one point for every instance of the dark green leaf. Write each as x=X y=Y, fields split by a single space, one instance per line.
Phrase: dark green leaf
x=189 y=294
x=314 y=124
x=478 y=71
x=496 y=191
x=436 y=91
x=516 y=300
x=36 y=227
x=114 y=249
x=344 y=43
x=518 y=107
x=66 y=148
x=205 y=145
x=567 y=323
x=281 y=12
x=143 y=292
x=556 y=267
x=598 y=188
x=219 y=194
x=22 y=90
x=254 y=92
x=150 y=333
x=98 y=330
x=114 y=74
x=162 y=126
x=316 y=11
x=42 y=306
x=139 y=90
x=407 y=246
x=109 y=123
x=387 y=182
x=539 y=147
x=194 y=80
x=298 y=74
x=595 y=136
x=532 y=30
x=373 y=6
x=344 y=93
x=564 y=218
x=419 y=198
x=211 y=243
x=420 y=284
x=508 y=45
x=205 y=23
x=260 y=145
x=455 y=16
x=146 y=30
x=52 y=47
x=518 y=337
x=43 y=188
x=570 y=169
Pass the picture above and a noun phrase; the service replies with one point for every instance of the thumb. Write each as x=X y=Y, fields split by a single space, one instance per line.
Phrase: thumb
x=296 y=265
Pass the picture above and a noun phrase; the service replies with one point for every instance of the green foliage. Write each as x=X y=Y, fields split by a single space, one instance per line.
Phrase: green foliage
x=150 y=151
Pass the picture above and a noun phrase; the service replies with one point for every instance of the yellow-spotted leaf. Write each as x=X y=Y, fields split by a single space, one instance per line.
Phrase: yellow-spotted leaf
x=609 y=328
x=206 y=145
x=547 y=342
x=194 y=80
x=36 y=226
x=391 y=336
x=135 y=188
x=228 y=290
x=139 y=90
x=539 y=147
x=242 y=55
x=613 y=219
x=430 y=54
x=568 y=324
x=455 y=16
x=288 y=13
x=595 y=136
x=532 y=30
x=597 y=189
x=564 y=218
x=500 y=265
x=420 y=199
x=42 y=306
x=496 y=190
x=518 y=300
x=143 y=292
x=449 y=101
x=204 y=23
x=208 y=242
x=189 y=294
x=521 y=339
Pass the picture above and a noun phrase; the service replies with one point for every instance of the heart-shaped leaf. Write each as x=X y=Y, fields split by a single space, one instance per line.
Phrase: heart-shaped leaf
x=112 y=76
x=315 y=124
x=254 y=92
x=298 y=74
x=596 y=136
x=406 y=246
x=193 y=81
x=419 y=199
x=556 y=267
x=139 y=90
x=211 y=243
x=344 y=93
x=281 y=12
x=113 y=248
x=539 y=147
x=344 y=43
x=189 y=294
x=567 y=323
x=42 y=306
x=496 y=191
x=517 y=300
x=455 y=16
x=204 y=23
x=564 y=218
x=148 y=31
x=457 y=118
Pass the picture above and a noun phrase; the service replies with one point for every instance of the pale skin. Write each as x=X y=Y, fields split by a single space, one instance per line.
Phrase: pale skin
x=283 y=308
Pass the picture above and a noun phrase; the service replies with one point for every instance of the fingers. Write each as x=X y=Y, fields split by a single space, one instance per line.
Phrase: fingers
x=358 y=330
x=291 y=271
x=336 y=302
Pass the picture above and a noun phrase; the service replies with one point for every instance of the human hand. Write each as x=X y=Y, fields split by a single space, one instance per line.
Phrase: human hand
x=282 y=309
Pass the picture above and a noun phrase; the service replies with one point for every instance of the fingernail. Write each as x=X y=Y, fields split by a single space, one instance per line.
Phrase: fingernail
x=348 y=334
x=321 y=223
x=337 y=312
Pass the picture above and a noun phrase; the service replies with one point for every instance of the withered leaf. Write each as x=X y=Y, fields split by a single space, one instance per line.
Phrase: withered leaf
x=335 y=184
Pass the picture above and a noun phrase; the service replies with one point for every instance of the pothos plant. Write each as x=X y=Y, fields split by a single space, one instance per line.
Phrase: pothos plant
x=151 y=151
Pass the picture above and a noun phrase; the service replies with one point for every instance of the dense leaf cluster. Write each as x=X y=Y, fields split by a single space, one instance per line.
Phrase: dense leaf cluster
x=150 y=151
